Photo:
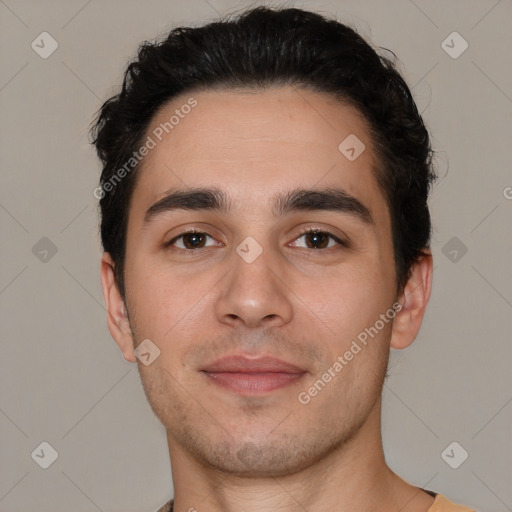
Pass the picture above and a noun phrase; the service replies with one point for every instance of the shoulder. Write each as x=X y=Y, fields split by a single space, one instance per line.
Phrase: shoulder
x=167 y=507
x=442 y=504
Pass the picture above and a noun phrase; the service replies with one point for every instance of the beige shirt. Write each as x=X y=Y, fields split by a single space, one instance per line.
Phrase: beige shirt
x=441 y=504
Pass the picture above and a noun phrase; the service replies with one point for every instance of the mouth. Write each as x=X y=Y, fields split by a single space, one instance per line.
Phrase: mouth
x=252 y=376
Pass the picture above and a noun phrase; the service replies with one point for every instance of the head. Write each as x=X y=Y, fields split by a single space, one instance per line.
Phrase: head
x=243 y=121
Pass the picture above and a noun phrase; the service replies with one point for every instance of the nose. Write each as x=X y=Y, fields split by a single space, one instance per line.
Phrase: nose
x=255 y=294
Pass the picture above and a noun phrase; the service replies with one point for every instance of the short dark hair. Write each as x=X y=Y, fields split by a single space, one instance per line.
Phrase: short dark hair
x=264 y=48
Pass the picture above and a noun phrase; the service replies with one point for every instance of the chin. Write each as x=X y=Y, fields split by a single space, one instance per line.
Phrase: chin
x=282 y=457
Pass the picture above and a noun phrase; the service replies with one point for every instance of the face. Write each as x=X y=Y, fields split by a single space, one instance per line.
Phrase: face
x=249 y=283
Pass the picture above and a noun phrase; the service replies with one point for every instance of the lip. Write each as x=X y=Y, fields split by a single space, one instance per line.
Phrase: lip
x=243 y=364
x=252 y=375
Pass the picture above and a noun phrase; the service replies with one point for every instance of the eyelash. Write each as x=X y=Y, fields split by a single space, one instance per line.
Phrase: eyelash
x=303 y=232
x=307 y=230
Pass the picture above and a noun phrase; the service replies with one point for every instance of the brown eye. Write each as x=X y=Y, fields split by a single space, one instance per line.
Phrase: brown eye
x=317 y=239
x=189 y=241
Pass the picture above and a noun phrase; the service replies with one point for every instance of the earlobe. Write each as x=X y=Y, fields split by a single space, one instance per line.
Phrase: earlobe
x=117 y=317
x=414 y=300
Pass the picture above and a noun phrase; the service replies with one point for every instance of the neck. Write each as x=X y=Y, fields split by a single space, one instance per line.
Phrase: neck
x=352 y=478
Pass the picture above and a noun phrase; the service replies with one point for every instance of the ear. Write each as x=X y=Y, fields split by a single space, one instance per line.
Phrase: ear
x=117 y=317
x=414 y=300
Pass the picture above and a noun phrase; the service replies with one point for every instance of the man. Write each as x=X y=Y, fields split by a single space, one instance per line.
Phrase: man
x=266 y=235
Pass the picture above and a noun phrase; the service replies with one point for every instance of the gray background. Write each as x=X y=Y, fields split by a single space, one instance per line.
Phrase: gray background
x=63 y=379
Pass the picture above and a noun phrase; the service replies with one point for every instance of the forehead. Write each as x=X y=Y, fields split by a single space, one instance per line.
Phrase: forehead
x=254 y=143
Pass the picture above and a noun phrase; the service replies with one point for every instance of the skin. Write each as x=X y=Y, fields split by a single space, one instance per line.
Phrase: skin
x=305 y=305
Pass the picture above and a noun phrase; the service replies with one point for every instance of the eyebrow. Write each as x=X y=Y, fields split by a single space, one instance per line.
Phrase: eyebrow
x=215 y=199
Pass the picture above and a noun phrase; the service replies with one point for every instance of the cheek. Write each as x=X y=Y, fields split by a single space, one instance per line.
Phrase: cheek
x=163 y=301
x=347 y=300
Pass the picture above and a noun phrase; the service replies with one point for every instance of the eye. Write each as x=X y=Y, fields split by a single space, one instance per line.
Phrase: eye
x=189 y=240
x=313 y=239
x=318 y=239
